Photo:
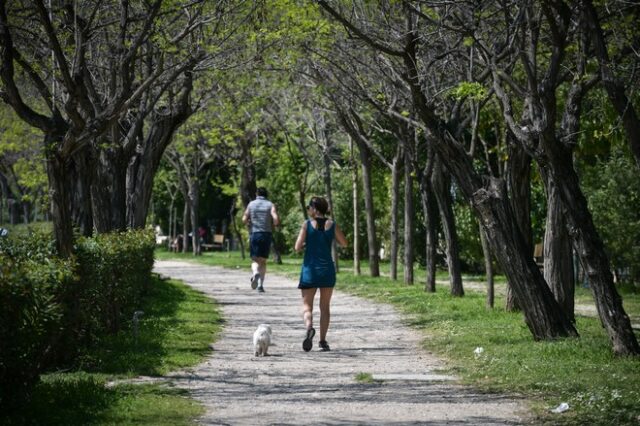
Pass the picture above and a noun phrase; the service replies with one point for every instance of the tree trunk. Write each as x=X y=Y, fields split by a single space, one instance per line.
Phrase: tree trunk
x=194 y=201
x=430 y=221
x=356 y=212
x=409 y=213
x=80 y=168
x=326 y=177
x=442 y=189
x=60 y=203
x=395 y=195
x=232 y=215
x=518 y=176
x=108 y=191
x=488 y=268
x=558 y=257
x=365 y=160
x=185 y=224
x=590 y=248
x=248 y=185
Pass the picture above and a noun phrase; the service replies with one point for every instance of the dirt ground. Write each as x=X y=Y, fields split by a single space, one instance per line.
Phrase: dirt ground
x=293 y=387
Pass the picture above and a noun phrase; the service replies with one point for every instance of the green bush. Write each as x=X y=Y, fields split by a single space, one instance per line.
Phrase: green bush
x=52 y=307
x=30 y=318
x=114 y=271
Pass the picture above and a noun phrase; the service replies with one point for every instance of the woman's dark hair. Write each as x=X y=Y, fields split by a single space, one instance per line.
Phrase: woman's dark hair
x=320 y=204
x=262 y=192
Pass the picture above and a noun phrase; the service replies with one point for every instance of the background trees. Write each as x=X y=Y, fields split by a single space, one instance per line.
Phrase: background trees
x=512 y=121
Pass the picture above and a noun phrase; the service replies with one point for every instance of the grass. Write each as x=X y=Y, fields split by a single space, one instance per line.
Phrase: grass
x=364 y=378
x=175 y=332
x=599 y=387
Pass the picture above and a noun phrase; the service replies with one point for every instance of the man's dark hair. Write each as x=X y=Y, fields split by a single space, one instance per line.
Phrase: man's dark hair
x=262 y=192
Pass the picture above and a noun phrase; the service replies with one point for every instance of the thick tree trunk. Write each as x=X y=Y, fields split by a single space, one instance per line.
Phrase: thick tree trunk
x=59 y=188
x=558 y=257
x=590 y=248
x=395 y=195
x=543 y=315
x=442 y=187
x=108 y=191
x=365 y=161
x=80 y=167
x=429 y=213
x=518 y=176
x=409 y=214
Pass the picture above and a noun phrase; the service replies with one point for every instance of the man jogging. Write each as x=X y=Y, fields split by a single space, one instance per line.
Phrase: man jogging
x=261 y=216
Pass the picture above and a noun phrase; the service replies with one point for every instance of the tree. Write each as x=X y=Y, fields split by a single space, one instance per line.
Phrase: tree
x=543 y=316
x=551 y=145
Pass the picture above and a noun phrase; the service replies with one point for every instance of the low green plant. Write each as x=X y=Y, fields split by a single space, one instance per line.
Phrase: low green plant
x=364 y=377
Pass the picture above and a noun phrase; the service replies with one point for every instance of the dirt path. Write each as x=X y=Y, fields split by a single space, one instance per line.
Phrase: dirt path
x=294 y=387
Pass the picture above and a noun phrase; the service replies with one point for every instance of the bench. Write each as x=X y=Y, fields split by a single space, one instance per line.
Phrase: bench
x=219 y=243
x=538 y=255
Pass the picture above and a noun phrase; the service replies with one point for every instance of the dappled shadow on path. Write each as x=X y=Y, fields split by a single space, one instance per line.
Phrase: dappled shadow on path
x=296 y=387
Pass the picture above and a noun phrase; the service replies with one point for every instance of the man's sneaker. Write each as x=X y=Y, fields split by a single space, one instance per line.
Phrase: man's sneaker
x=254 y=281
x=307 y=343
x=261 y=289
x=324 y=346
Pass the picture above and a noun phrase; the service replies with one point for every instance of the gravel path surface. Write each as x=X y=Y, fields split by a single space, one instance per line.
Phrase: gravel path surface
x=292 y=387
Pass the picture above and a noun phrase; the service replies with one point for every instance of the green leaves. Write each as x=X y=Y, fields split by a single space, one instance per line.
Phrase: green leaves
x=471 y=90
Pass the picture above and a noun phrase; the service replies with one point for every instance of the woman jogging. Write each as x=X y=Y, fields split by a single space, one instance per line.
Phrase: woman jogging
x=318 y=270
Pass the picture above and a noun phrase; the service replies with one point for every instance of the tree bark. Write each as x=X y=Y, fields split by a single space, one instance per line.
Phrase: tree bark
x=441 y=188
x=558 y=257
x=430 y=222
x=488 y=268
x=409 y=214
x=185 y=224
x=356 y=211
x=365 y=161
x=590 y=248
x=518 y=176
x=395 y=195
x=60 y=203
x=194 y=201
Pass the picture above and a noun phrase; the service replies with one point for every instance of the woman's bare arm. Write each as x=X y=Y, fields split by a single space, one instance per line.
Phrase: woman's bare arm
x=302 y=236
x=340 y=238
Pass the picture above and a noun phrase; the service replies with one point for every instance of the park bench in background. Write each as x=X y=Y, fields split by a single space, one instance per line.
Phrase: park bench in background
x=219 y=243
x=538 y=255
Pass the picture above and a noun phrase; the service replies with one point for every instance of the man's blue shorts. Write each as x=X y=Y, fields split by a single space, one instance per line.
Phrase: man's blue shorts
x=260 y=244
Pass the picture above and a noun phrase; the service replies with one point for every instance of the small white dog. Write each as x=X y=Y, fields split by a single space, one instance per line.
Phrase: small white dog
x=262 y=339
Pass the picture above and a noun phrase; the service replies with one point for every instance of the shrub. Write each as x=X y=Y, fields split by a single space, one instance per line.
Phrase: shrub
x=31 y=282
x=52 y=307
x=114 y=272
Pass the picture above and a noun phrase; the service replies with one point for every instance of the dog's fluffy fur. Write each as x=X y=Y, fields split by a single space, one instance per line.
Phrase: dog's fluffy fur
x=262 y=339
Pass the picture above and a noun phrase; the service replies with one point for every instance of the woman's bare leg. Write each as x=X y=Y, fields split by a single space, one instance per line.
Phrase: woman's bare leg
x=325 y=311
x=308 y=295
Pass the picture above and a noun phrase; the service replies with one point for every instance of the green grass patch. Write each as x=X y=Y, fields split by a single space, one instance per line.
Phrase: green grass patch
x=599 y=387
x=364 y=378
x=175 y=331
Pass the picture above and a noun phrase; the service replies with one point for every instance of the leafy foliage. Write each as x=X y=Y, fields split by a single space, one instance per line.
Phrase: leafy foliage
x=614 y=197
